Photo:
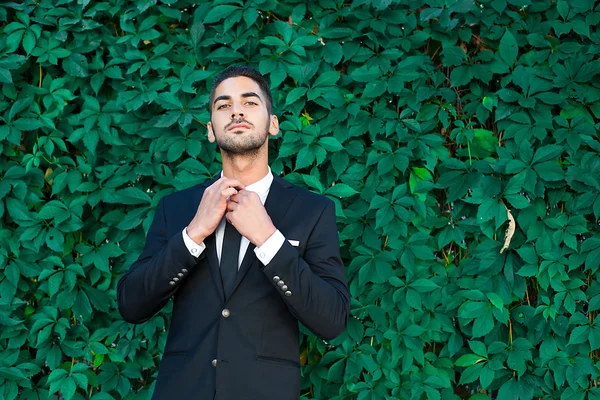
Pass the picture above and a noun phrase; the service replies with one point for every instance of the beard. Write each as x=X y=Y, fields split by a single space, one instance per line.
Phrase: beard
x=243 y=144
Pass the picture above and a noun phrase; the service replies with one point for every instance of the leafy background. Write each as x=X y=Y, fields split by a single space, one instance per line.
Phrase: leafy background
x=436 y=126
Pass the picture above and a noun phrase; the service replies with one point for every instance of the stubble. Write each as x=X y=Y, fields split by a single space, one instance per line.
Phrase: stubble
x=243 y=143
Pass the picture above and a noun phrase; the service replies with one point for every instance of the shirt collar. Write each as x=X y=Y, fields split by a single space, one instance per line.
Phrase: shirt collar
x=262 y=186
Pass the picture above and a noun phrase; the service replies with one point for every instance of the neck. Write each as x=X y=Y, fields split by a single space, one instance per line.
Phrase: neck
x=247 y=170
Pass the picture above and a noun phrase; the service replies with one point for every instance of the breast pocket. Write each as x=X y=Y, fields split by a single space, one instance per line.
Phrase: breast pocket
x=298 y=245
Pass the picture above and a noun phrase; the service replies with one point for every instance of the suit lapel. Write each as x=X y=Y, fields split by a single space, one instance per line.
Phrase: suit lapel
x=277 y=205
x=279 y=200
x=211 y=247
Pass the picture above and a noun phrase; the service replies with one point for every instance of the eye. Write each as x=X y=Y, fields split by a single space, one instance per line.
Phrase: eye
x=251 y=103
x=221 y=106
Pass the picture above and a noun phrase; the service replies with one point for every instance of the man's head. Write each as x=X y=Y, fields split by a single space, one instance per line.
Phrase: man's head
x=241 y=111
x=241 y=70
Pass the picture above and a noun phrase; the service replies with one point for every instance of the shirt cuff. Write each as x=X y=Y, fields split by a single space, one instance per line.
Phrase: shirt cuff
x=269 y=249
x=194 y=248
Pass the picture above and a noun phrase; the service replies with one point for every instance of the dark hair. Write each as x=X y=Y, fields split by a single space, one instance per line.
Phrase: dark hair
x=242 y=70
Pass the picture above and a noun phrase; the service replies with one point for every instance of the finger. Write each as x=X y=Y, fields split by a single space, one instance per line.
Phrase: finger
x=243 y=194
x=231 y=206
x=254 y=195
x=232 y=183
x=218 y=182
x=215 y=186
x=234 y=197
x=239 y=197
x=228 y=192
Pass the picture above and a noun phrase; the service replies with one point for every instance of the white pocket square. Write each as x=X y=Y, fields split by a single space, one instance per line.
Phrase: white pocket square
x=294 y=242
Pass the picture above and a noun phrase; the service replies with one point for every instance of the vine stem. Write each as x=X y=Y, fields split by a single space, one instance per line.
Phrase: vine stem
x=469 y=149
x=196 y=119
x=445 y=257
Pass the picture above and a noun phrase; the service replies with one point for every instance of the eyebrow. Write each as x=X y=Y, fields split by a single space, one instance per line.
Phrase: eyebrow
x=244 y=95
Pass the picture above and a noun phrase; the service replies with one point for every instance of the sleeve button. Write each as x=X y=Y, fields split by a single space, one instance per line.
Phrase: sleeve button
x=284 y=288
x=280 y=283
x=276 y=279
x=288 y=293
x=172 y=283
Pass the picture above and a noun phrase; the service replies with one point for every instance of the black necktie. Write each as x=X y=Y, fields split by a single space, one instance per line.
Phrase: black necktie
x=229 y=257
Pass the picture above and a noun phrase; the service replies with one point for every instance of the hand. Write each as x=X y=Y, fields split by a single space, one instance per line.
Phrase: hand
x=212 y=207
x=247 y=214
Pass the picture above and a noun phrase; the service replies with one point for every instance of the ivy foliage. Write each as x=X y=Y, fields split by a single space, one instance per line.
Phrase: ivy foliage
x=435 y=125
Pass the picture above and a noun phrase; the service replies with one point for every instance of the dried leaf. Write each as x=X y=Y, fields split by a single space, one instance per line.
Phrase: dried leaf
x=512 y=225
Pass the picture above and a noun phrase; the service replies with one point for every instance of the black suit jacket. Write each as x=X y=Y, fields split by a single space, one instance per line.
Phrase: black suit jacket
x=245 y=347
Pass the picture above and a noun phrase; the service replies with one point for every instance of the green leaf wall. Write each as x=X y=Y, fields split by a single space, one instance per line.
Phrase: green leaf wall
x=435 y=125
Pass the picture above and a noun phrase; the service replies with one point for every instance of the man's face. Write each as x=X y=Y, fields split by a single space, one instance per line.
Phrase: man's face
x=240 y=122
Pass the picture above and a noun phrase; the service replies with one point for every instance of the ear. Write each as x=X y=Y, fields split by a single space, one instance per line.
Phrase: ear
x=211 y=133
x=274 y=126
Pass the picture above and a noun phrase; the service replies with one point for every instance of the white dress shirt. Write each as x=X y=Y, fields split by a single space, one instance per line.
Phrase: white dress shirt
x=264 y=253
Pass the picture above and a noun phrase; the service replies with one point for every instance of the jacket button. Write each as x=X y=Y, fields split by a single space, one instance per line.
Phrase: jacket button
x=180 y=275
x=171 y=283
x=176 y=279
x=184 y=271
x=276 y=279
x=284 y=288
x=225 y=313
x=214 y=363
x=288 y=293
x=280 y=283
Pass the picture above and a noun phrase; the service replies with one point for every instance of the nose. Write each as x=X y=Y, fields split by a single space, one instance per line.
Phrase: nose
x=236 y=111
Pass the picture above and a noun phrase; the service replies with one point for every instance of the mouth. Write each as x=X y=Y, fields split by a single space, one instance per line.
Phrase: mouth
x=239 y=126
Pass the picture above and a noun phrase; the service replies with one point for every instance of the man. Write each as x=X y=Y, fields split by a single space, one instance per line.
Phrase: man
x=242 y=272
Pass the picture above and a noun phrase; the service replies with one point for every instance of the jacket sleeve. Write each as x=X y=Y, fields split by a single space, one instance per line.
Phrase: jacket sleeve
x=314 y=286
x=157 y=274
